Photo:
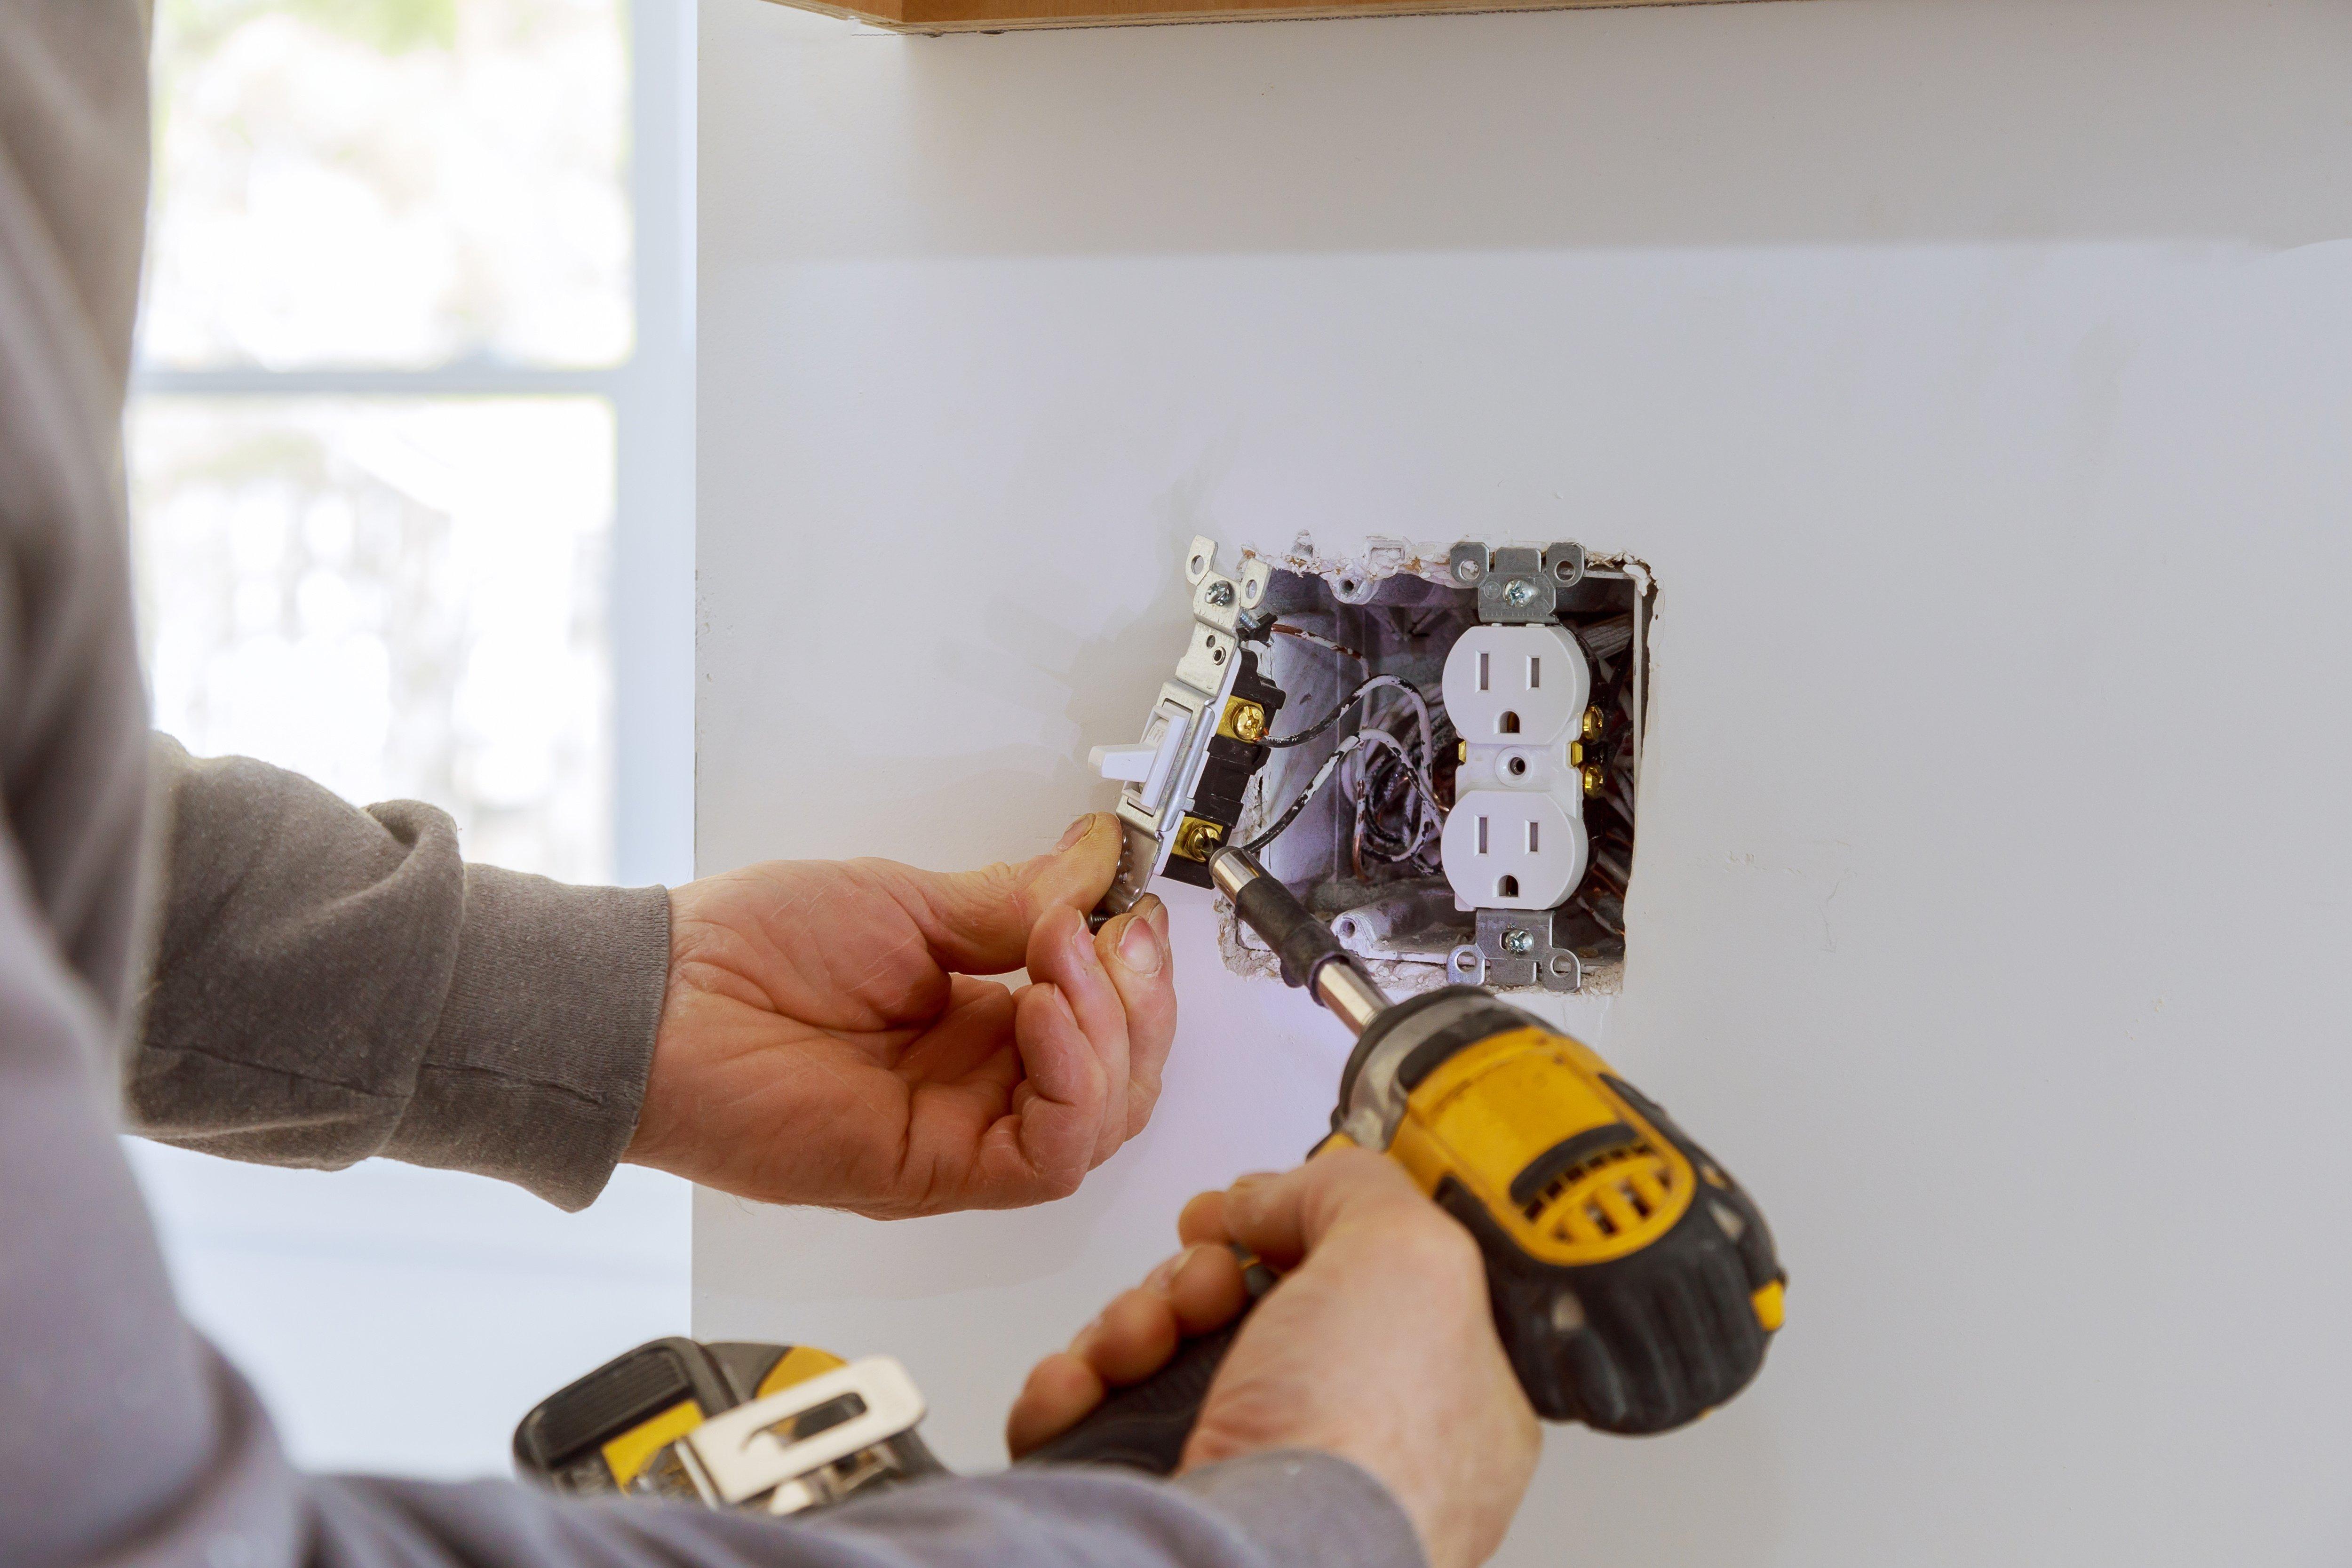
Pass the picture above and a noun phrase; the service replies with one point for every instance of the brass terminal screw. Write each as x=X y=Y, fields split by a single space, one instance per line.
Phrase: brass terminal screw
x=1593 y=778
x=1594 y=720
x=1248 y=720
x=1196 y=838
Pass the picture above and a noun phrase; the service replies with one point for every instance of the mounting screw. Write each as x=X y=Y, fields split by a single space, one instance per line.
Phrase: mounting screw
x=1517 y=941
x=1221 y=593
x=1519 y=594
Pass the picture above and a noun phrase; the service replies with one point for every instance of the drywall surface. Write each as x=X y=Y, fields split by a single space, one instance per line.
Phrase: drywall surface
x=1977 y=375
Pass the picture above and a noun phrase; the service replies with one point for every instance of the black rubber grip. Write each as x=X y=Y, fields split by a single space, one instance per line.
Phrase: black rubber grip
x=1144 y=1428
x=1304 y=943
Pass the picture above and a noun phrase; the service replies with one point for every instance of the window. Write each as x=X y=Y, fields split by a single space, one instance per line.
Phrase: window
x=409 y=449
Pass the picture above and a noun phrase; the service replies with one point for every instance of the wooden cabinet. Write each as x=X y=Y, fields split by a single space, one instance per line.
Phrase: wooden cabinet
x=996 y=16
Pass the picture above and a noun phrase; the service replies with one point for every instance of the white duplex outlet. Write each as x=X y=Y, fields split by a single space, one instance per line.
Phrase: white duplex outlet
x=1516 y=837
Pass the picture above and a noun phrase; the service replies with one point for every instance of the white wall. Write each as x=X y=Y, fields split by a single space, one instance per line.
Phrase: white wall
x=401 y=1319
x=1977 y=377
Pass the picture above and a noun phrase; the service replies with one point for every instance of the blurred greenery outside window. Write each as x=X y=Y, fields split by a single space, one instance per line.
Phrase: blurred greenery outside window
x=372 y=443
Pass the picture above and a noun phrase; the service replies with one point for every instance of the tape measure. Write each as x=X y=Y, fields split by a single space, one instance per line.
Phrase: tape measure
x=764 y=1428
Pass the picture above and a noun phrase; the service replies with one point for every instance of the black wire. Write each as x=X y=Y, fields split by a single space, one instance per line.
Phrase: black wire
x=1322 y=776
x=1390 y=776
x=1332 y=718
x=1390 y=792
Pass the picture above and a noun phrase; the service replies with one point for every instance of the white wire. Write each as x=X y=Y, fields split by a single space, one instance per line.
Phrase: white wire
x=1427 y=821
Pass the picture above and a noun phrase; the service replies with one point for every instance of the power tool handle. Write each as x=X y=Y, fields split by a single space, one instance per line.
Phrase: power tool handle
x=1144 y=1427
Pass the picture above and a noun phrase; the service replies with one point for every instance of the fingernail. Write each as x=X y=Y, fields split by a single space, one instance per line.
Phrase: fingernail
x=1139 y=947
x=1160 y=1279
x=1149 y=907
x=1075 y=831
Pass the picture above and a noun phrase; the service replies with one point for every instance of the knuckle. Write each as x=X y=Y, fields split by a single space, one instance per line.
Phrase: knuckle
x=1441 y=1242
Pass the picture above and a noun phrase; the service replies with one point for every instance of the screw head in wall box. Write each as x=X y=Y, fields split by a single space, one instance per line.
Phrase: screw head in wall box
x=1221 y=594
x=1519 y=593
x=1517 y=941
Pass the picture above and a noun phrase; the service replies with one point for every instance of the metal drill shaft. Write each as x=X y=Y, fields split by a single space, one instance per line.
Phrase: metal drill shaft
x=1350 y=995
x=1311 y=956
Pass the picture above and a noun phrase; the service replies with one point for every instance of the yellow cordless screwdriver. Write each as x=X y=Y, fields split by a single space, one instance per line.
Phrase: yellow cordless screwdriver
x=1634 y=1283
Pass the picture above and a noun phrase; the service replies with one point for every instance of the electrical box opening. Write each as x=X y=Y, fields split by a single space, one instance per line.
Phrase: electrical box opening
x=1437 y=748
x=1510 y=681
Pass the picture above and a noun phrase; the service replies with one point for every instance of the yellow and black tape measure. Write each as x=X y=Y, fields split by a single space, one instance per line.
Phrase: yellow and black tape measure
x=624 y=1428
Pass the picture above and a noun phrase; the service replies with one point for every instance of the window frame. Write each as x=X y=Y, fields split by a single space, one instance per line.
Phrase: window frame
x=650 y=591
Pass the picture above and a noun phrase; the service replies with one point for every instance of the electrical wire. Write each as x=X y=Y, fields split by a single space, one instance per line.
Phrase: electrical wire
x=1397 y=815
x=1322 y=776
x=1324 y=722
x=1303 y=635
x=1427 y=824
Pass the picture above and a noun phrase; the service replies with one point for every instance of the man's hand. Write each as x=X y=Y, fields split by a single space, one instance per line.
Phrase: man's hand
x=824 y=1040
x=1377 y=1346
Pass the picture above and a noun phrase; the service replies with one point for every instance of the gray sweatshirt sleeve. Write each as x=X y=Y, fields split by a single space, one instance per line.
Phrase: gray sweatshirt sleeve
x=1283 y=1509
x=329 y=984
x=1271 y=1510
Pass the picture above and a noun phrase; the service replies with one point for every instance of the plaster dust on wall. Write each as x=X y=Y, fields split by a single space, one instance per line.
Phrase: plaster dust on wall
x=1975 y=373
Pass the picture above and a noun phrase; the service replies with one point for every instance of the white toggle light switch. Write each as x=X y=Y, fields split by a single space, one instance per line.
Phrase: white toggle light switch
x=1124 y=764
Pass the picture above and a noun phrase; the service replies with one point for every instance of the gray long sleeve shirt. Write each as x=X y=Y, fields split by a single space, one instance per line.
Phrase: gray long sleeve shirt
x=325 y=984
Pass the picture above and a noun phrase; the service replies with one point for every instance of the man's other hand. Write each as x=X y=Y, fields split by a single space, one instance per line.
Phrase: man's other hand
x=1377 y=1344
x=824 y=1040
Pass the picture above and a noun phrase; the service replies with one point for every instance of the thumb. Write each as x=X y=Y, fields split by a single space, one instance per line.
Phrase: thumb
x=978 y=923
x=1283 y=1218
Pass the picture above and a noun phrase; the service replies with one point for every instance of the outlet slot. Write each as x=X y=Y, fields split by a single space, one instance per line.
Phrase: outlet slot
x=1508 y=888
x=1509 y=724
